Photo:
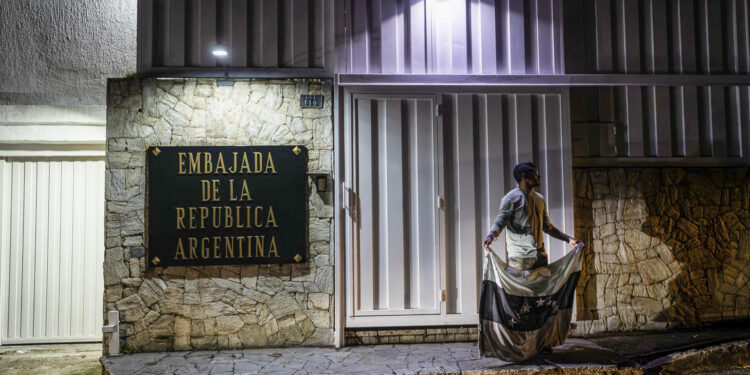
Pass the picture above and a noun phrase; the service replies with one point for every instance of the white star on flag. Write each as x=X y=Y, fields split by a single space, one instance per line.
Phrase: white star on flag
x=540 y=302
x=526 y=307
x=512 y=322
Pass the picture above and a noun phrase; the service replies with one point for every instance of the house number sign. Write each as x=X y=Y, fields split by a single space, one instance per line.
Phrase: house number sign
x=213 y=205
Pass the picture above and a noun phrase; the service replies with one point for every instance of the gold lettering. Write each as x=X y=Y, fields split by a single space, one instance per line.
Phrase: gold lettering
x=234 y=170
x=228 y=217
x=191 y=217
x=228 y=247
x=240 y=239
x=269 y=165
x=272 y=247
x=271 y=219
x=258 y=162
x=204 y=249
x=180 y=163
x=245 y=194
x=239 y=222
x=195 y=163
x=232 y=197
x=247 y=213
x=245 y=168
x=217 y=240
x=180 y=249
x=250 y=246
x=180 y=217
x=258 y=212
x=215 y=188
x=208 y=166
x=260 y=243
x=205 y=190
x=204 y=216
x=216 y=216
x=220 y=164
x=193 y=246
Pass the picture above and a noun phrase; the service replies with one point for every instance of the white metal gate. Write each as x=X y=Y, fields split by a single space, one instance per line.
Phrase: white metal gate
x=396 y=265
x=51 y=249
x=425 y=179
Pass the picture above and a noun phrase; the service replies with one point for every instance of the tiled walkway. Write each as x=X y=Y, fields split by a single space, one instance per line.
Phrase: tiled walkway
x=452 y=358
x=621 y=354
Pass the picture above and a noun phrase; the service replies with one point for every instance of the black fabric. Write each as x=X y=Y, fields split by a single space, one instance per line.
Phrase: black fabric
x=509 y=310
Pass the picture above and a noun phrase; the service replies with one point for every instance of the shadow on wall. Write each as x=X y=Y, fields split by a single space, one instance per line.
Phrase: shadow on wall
x=668 y=247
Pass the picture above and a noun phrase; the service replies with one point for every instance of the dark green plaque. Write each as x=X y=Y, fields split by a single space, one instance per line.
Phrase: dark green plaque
x=212 y=205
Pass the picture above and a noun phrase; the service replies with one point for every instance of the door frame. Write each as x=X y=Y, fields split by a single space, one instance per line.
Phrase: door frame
x=349 y=147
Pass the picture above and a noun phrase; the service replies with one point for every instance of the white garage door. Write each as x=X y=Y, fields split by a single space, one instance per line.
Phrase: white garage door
x=51 y=249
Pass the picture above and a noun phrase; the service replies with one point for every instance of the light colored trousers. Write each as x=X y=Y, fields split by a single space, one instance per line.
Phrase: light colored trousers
x=524 y=264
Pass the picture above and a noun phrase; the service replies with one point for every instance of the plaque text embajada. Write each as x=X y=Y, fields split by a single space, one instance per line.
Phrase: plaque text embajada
x=213 y=205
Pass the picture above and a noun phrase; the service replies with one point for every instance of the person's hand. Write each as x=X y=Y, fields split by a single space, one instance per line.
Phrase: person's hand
x=488 y=242
x=574 y=242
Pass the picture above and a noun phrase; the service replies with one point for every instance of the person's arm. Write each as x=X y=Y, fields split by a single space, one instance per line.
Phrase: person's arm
x=503 y=214
x=550 y=229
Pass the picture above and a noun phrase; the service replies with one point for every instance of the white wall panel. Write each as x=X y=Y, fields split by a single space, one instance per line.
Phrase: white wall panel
x=179 y=34
x=51 y=249
x=453 y=37
x=659 y=122
x=657 y=36
x=485 y=136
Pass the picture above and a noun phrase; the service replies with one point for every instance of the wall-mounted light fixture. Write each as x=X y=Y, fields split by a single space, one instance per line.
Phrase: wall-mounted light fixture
x=320 y=180
x=219 y=51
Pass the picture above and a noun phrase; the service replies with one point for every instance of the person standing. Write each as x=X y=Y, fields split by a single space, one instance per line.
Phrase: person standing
x=523 y=215
x=523 y=312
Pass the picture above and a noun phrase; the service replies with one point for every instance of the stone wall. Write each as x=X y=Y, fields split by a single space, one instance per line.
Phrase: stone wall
x=416 y=335
x=213 y=307
x=667 y=247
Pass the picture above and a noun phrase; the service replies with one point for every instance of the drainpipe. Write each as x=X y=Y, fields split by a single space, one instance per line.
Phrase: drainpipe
x=113 y=328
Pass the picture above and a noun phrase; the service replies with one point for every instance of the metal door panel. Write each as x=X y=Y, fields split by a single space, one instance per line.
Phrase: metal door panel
x=51 y=249
x=395 y=258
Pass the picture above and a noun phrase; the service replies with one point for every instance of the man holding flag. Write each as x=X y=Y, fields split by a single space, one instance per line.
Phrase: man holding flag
x=526 y=305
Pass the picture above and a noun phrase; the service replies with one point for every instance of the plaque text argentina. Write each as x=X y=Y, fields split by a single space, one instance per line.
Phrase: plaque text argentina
x=212 y=205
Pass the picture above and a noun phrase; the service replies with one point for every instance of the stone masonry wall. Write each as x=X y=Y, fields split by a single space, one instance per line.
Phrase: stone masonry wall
x=415 y=335
x=667 y=247
x=213 y=307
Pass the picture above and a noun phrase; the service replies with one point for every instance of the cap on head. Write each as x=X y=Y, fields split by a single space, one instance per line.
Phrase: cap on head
x=521 y=169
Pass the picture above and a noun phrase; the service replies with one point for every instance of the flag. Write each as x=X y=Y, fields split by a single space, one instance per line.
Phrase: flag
x=523 y=312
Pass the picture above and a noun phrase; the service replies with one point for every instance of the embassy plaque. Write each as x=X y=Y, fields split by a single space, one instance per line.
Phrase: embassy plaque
x=213 y=205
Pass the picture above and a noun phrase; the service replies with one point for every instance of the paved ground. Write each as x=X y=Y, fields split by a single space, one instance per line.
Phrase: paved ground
x=62 y=359
x=625 y=354
x=381 y=359
x=724 y=351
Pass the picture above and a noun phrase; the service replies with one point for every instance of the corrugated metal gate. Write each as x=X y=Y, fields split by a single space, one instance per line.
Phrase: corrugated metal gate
x=51 y=249
x=426 y=179
x=397 y=265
